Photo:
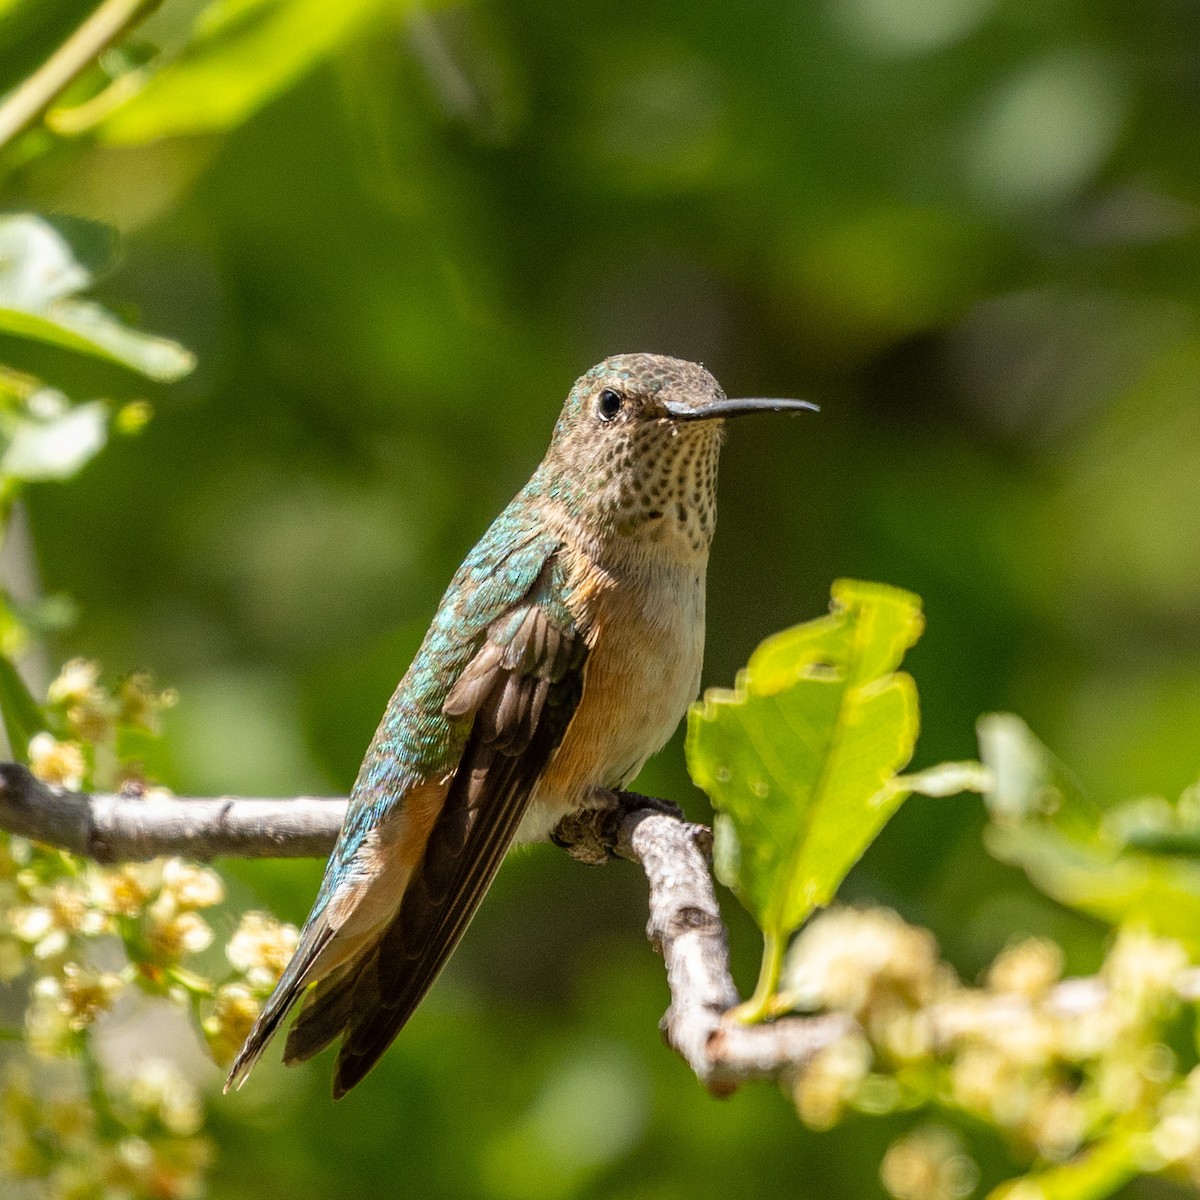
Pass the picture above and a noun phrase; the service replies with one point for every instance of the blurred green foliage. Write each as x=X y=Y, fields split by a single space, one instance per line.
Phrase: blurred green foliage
x=39 y=282
x=1134 y=862
x=393 y=237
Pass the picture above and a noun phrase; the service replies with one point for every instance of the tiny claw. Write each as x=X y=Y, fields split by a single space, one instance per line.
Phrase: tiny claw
x=589 y=836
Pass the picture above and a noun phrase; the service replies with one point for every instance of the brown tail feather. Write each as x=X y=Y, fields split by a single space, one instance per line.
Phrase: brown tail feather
x=287 y=991
x=326 y=1011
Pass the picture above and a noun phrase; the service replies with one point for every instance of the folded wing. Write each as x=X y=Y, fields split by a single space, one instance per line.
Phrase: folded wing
x=518 y=693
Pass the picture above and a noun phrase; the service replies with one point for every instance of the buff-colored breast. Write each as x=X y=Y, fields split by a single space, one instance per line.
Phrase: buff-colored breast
x=644 y=623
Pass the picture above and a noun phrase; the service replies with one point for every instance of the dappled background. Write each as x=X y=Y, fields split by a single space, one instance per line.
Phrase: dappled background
x=394 y=235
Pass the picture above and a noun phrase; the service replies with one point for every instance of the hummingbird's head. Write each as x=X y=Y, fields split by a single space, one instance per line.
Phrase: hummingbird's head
x=635 y=449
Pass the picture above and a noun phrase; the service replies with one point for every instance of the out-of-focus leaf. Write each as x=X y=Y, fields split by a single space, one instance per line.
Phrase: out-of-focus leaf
x=49 y=439
x=1157 y=826
x=90 y=329
x=1160 y=892
x=800 y=758
x=95 y=246
x=36 y=265
x=245 y=53
x=1108 y=1165
x=22 y=716
x=1116 y=867
x=46 y=614
x=39 y=282
x=1027 y=781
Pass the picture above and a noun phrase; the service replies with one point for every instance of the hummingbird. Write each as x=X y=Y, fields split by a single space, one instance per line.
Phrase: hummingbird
x=564 y=653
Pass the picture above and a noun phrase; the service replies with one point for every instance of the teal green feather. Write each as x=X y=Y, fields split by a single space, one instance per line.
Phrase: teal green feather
x=415 y=741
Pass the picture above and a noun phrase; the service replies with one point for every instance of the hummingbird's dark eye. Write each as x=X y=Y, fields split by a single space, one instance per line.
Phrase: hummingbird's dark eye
x=609 y=404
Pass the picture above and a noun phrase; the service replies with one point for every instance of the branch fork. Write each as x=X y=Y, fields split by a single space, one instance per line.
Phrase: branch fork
x=685 y=924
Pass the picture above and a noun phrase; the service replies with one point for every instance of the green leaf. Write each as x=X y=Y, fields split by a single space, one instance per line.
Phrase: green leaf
x=1158 y=892
x=93 y=244
x=1117 y=867
x=800 y=758
x=40 y=279
x=45 y=614
x=245 y=53
x=20 y=711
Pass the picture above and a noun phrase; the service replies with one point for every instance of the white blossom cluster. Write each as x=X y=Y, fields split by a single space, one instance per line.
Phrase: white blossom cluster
x=79 y=942
x=1058 y=1067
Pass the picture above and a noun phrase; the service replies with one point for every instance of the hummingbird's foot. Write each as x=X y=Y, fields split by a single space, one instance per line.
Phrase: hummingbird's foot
x=633 y=801
x=591 y=834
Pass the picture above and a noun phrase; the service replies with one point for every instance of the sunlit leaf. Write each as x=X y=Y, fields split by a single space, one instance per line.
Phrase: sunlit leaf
x=37 y=266
x=800 y=758
x=244 y=54
x=40 y=279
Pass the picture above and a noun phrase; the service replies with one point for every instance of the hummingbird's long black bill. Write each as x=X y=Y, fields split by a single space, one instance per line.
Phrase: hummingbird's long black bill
x=735 y=408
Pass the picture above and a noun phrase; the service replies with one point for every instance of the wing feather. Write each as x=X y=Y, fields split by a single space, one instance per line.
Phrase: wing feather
x=420 y=753
x=520 y=691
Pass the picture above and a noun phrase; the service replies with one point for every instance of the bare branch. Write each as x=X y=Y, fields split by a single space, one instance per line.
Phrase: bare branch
x=136 y=827
x=686 y=928
x=685 y=921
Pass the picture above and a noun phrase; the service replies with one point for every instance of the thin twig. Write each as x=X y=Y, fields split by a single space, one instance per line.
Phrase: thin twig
x=34 y=95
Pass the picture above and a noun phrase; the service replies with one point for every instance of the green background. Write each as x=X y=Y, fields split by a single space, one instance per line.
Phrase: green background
x=967 y=228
